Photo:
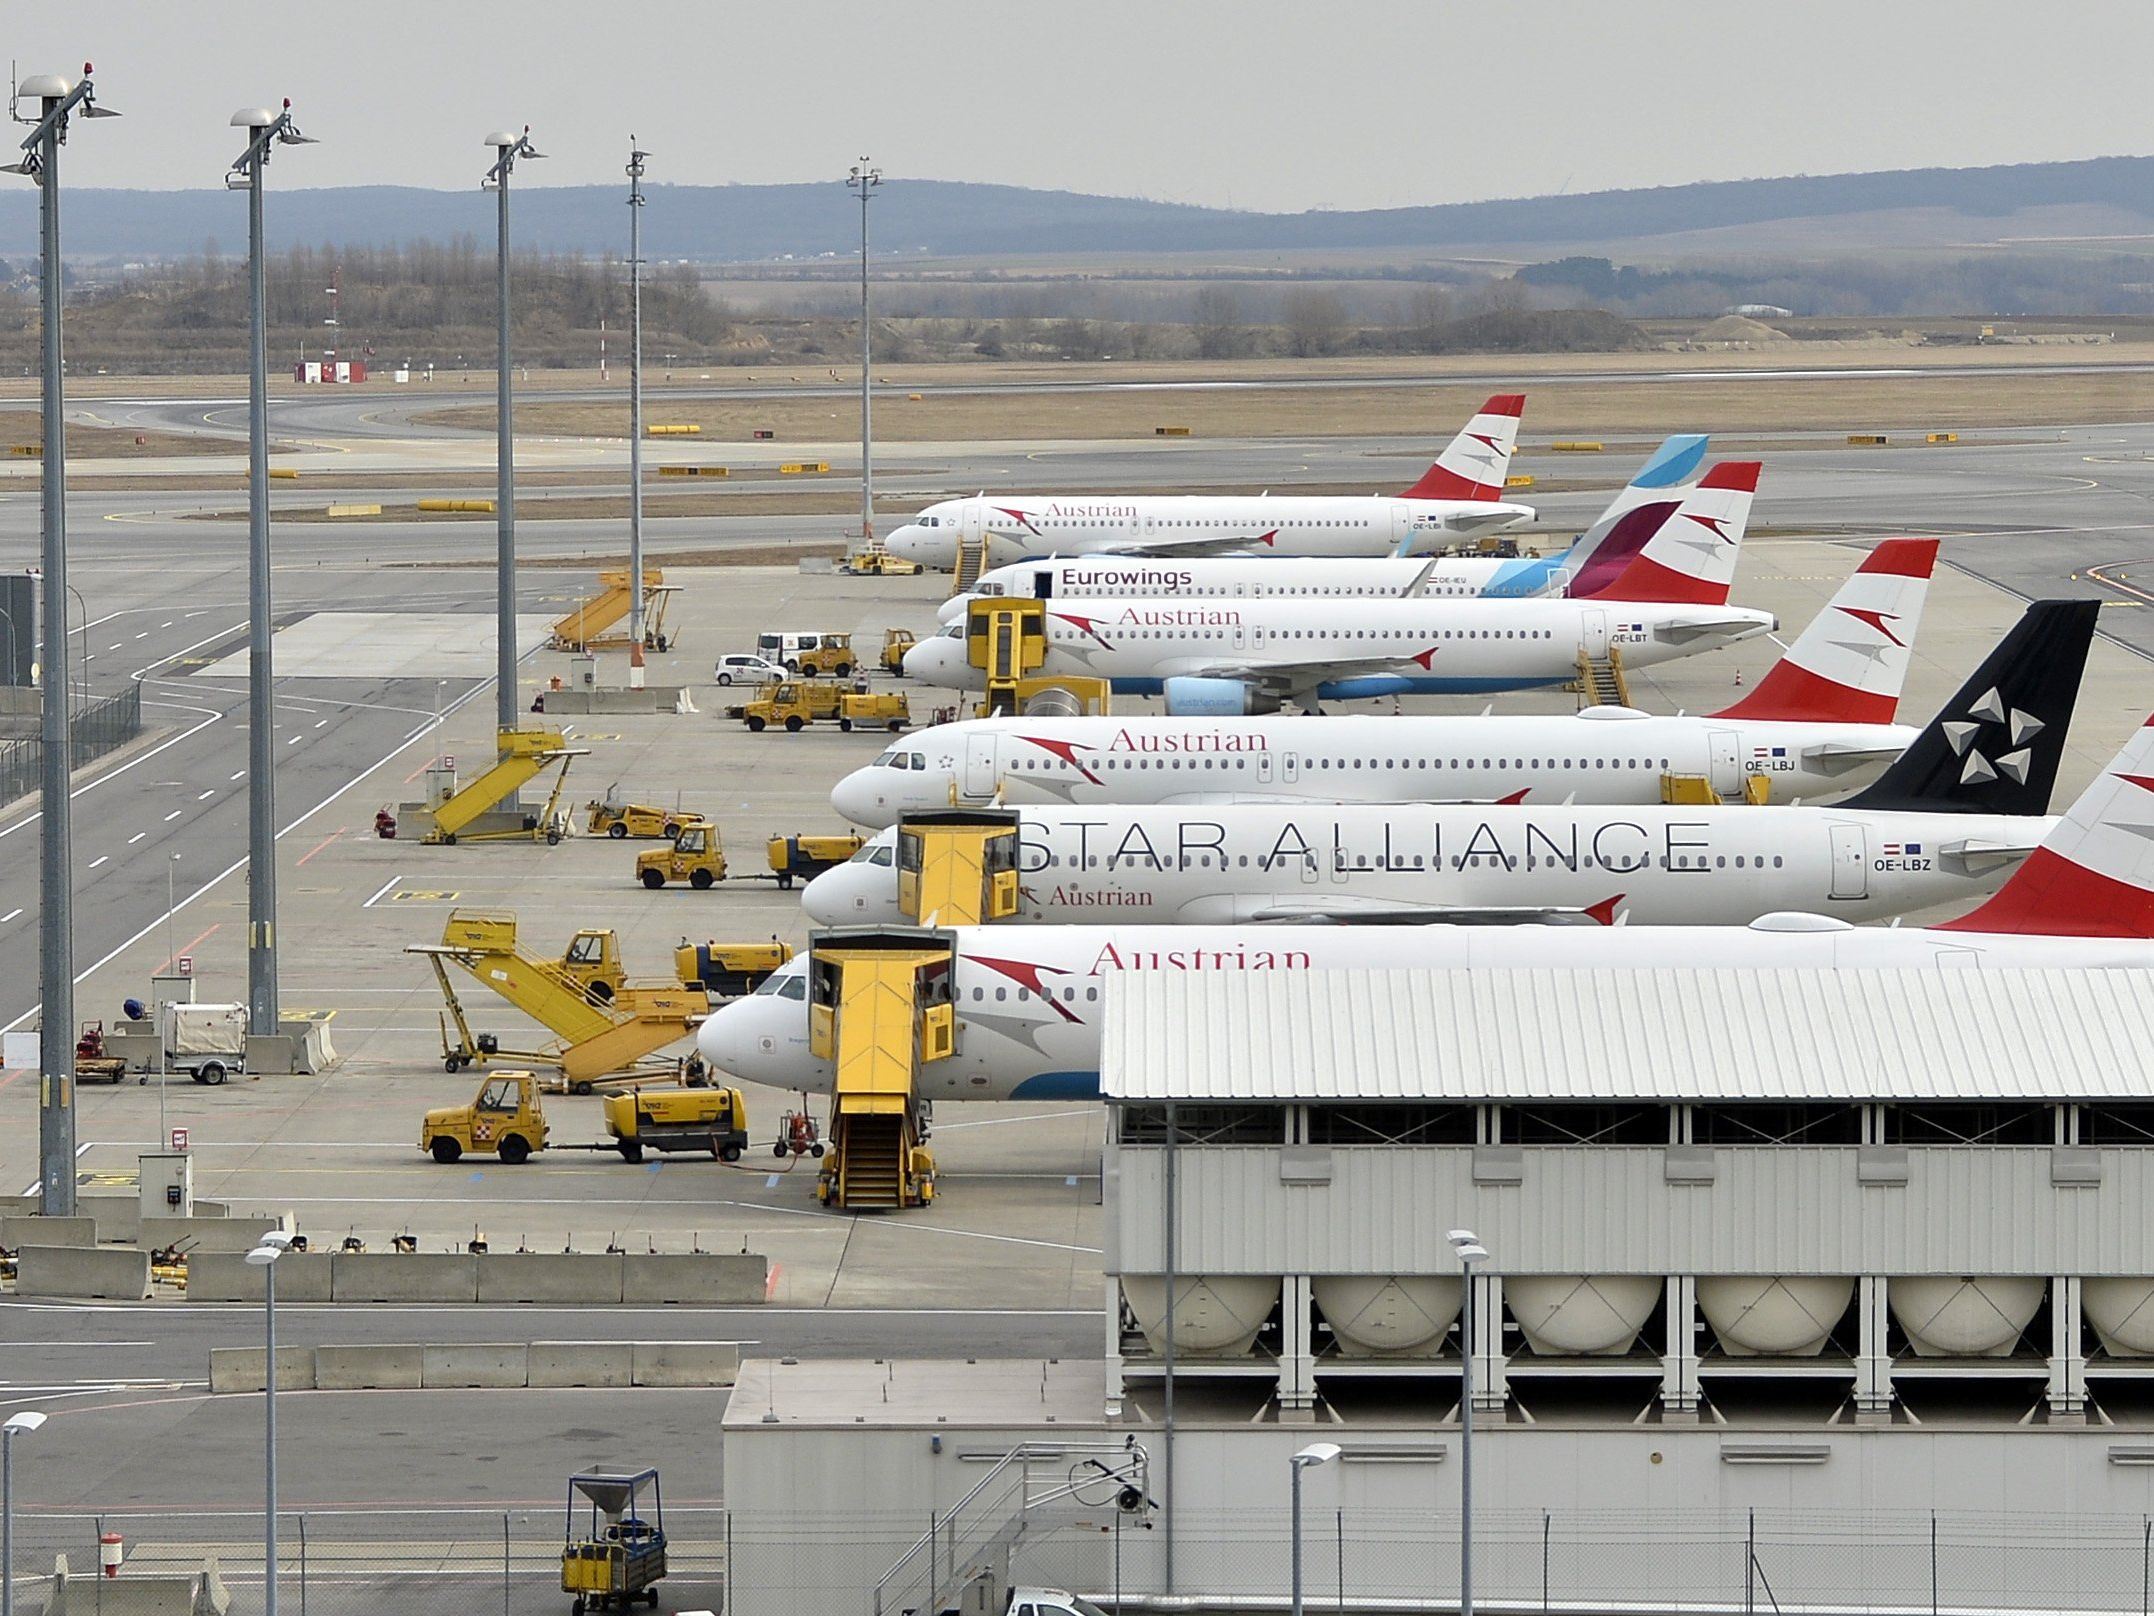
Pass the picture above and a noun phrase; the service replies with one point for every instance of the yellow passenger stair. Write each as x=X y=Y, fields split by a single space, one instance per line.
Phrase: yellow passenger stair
x=523 y=755
x=971 y=562
x=957 y=866
x=590 y=626
x=879 y=1010
x=1602 y=681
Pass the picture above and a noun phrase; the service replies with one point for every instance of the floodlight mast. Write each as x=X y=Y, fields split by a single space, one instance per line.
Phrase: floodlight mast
x=271 y=129
x=635 y=412
x=508 y=148
x=865 y=179
x=57 y=101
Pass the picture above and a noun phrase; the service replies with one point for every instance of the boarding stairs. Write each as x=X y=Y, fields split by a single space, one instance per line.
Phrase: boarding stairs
x=879 y=1009
x=971 y=562
x=1601 y=680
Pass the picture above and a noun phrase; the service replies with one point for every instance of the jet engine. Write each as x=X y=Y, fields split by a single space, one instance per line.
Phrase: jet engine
x=1216 y=698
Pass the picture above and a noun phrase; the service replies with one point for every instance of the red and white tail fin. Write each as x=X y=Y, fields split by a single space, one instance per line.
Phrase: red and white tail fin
x=2093 y=875
x=1849 y=664
x=1691 y=558
x=1479 y=458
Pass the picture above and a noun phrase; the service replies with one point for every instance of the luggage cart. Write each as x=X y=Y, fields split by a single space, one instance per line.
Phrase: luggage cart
x=622 y=1556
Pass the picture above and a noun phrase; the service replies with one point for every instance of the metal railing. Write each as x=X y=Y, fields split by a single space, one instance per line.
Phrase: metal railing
x=95 y=728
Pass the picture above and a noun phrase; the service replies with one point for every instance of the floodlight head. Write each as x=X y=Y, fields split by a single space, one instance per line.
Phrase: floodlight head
x=277 y=1238
x=253 y=118
x=24 y=1423
x=1317 y=1453
x=263 y=1256
x=500 y=139
x=46 y=87
x=1462 y=1237
x=1471 y=1254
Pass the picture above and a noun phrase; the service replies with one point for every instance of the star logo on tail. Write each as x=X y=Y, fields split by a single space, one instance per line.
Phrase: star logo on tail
x=1976 y=767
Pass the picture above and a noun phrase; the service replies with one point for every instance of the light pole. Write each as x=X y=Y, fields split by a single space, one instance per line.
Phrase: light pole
x=635 y=414
x=268 y=131
x=264 y=1257
x=1470 y=1253
x=57 y=100
x=158 y=1010
x=865 y=179
x=1316 y=1453
x=507 y=149
x=17 y=1425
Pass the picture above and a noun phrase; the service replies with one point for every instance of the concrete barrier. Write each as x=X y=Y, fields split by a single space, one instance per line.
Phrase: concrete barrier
x=197 y=1234
x=227 y=1276
x=36 y=1231
x=580 y=1363
x=696 y=1279
x=239 y=1369
x=82 y=1273
x=587 y=1278
x=134 y=1593
x=685 y=1363
x=365 y=1369
x=389 y=1276
x=480 y=1363
x=119 y=1217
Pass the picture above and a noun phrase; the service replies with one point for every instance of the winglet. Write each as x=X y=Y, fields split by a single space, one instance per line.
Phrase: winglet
x=1849 y=665
x=1515 y=798
x=1604 y=912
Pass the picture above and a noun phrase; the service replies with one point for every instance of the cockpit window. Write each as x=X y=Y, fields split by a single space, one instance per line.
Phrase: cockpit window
x=988 y=589
x=873 y=853
x=931 y=521
x=885 y=761
x=919 y=760
x=956 y=631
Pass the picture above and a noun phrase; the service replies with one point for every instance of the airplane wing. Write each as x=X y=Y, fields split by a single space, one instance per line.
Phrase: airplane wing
x=1254 y=544
x=1321 y=909
x=1468 y=520
x=1979 y=855
x=1295 y=679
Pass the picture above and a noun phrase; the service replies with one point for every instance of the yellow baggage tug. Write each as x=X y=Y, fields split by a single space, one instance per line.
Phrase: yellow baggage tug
x=621 y=1557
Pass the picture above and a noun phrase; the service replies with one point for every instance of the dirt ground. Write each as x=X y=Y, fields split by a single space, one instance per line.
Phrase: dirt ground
x=105 y=442
x=1850 y=403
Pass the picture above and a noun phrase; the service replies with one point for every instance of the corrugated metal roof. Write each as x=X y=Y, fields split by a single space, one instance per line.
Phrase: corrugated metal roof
x=1603 y=1034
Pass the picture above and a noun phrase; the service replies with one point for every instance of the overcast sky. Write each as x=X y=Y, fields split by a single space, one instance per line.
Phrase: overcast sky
x=1269 y=104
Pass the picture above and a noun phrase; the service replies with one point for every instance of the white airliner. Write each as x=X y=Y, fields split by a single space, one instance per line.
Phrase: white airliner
x=1028 y=999
x=1587 y=567
x=1461 y=493
x=1819 y=722
x=1419 y=862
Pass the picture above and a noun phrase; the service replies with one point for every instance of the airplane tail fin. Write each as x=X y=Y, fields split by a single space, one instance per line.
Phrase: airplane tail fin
x=1479 y=458
x=1849 y=664
x=1691 y=558
x=1996 y=746
x=1635 y=514
x=2093 y=875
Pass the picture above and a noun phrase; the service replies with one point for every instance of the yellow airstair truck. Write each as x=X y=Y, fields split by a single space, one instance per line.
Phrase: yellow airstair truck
x=957 y=866
x=473 y=813
x=879 y=1009
x=596 y=1036
x=1006 y=639
x=592 y=625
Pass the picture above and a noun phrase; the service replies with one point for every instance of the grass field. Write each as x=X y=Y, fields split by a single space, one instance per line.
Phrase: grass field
x=108 y=442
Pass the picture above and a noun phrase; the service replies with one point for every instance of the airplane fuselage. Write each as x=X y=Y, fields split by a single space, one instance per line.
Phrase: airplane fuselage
x=1650 y=866
x=1604 y=755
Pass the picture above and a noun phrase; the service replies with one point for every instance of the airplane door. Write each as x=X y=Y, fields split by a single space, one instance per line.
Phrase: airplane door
x=1850 y=862
x=1308 y=869
x=1593 y=632
x=1043 y=584
x=1263 y=768
x=1723 y=768
x=1290 y=767
x=979 y=766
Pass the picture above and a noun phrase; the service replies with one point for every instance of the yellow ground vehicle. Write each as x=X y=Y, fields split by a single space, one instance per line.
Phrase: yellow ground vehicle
x=878 y=562
x=621 y=1557
x=728 y=970
x=617 y=819
x=803 y=858
x=795 y=704
x=504 y=1119
x=886 y=707
x=833 y=655
x=715 y=1120
x=695 y=857
x=896 y=642
x=592 y=961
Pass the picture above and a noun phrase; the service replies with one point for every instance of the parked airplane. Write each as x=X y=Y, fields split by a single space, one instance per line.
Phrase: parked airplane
x=1951 y=837
x=1819 y=722
x=1461 y=493
x=1253 y=655
x=1589 y=565
x=1028 y=999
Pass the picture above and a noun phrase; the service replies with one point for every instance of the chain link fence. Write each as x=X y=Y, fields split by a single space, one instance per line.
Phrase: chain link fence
x=440 y=1562
x=96 y=727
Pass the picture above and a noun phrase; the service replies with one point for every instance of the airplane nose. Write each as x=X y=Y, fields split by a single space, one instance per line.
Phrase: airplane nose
x=854 y=797
x=748 y=1038
x=826 y=899
x=953 y=610
x=924 y=662
x=852 y=895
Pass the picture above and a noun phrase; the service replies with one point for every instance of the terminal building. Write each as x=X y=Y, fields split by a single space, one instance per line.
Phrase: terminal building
x=1838 y=1282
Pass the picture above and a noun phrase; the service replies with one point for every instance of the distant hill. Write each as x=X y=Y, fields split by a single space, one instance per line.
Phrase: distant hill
x=951 y=219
